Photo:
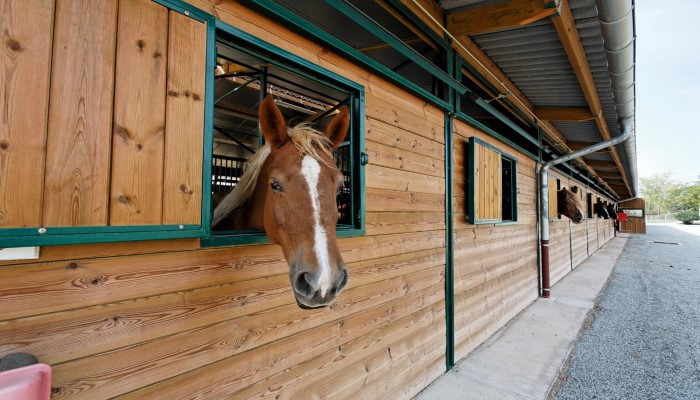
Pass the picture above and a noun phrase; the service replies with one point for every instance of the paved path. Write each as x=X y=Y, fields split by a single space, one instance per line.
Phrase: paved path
x=523 y=359
x=644 y=341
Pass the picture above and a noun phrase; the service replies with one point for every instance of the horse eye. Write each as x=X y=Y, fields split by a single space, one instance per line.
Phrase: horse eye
x=275 y=186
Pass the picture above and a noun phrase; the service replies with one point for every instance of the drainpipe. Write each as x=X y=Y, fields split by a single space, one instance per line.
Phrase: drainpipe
x=618 y=30
x=544 y=199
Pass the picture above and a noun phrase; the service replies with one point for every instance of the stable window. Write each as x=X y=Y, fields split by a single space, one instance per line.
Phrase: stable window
x=554 y=186
x=491 y=184
x=247 y=71
x=589 y=205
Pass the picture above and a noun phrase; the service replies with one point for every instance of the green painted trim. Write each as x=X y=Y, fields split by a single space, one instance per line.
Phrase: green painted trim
x=22 y=237
x=208 y=128
x=362 y=19
x=443 y=42
x=297 y=23
x=449 y=243
x=186 y=9
x=257 y=237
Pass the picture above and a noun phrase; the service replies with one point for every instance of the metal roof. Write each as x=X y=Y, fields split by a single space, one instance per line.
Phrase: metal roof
x=534 y=59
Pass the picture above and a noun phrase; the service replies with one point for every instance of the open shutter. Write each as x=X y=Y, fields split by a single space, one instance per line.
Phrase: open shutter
x=120 y=154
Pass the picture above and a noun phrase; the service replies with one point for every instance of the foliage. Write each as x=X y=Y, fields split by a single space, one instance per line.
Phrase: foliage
x=664 y=195
x=687 y=216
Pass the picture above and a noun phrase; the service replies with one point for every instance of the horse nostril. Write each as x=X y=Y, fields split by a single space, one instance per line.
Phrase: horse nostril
x=305 y=285
x=343 y=280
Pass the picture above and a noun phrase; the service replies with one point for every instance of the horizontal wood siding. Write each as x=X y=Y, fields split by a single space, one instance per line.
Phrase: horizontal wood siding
x=168 y=319
x=495 y=265
x=173 y=320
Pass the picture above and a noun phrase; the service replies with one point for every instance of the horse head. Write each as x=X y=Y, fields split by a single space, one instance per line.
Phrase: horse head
x=612 y=212
x=600 y=210
x=294 y=201
x=570 y=205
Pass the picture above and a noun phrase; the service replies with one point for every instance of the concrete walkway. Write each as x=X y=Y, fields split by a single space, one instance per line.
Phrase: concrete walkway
x=523 y=359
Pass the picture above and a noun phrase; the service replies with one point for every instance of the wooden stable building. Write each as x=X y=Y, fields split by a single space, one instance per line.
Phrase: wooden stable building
x=122 y=120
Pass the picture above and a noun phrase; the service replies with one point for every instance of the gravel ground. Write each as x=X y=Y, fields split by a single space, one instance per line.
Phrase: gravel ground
x=644 y=340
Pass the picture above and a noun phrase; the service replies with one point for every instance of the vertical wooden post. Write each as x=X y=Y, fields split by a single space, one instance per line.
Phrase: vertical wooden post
x=25 y=61
x=76 y=187
x=184 y=123
x=139 y=114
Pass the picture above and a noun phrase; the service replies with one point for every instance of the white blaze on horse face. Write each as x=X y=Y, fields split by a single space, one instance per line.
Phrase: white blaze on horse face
x=311 y=169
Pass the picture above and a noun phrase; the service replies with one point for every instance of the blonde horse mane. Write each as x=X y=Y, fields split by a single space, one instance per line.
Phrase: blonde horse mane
x=307 y=140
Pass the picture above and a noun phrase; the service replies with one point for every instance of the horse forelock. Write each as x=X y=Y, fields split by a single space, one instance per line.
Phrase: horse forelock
x=311 y=142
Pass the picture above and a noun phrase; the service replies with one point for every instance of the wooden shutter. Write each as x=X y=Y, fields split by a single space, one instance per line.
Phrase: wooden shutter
x=487 y=184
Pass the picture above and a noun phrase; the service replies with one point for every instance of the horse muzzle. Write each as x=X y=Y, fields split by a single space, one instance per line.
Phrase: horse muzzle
x=311 y=292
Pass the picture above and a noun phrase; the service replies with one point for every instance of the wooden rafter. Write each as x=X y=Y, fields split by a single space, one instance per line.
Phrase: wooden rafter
x=498 y=16
x=564 y=113
x=601 y=164
x=609 y=175
x=582 y=145
x=568 y=35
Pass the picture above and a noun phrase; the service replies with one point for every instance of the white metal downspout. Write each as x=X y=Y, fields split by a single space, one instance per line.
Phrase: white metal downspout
x=544 y=200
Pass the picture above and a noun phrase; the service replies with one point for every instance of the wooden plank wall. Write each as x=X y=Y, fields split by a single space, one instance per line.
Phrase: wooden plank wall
x=571 y=244
x=634 y=224
x=495 y=265
x=89 y=135
x=162 y=319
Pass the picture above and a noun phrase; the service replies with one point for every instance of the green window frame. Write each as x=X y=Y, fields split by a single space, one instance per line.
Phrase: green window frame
x=243 y=43
x=508 y=188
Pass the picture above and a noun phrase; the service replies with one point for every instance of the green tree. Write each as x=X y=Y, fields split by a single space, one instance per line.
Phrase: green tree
x=659 y=191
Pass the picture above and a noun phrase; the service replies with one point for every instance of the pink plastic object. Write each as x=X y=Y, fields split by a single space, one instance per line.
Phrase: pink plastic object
x=32 y=382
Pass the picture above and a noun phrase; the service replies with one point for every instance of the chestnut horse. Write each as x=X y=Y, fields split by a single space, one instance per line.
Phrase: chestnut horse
x=569 y=204
x=289 y=190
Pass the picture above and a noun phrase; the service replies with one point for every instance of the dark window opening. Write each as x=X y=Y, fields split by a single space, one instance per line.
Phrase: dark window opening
x=508 y=182
x=244 y=76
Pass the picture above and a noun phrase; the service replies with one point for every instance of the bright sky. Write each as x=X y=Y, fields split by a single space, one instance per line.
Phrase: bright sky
x=668 y=88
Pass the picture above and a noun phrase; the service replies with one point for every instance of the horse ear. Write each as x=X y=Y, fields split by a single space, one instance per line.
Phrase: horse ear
x=574 y=189
x=272 y=123
x=338 y=128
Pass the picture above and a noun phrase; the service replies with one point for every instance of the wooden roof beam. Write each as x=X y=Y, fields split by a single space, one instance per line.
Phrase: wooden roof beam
x=564 y=113
x=575 y=146
x=566 y=29
x=609 y=175
x=601 y=164
x=498 y=16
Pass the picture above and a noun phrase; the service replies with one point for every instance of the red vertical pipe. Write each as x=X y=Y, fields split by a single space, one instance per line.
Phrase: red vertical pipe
x=545 y=268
